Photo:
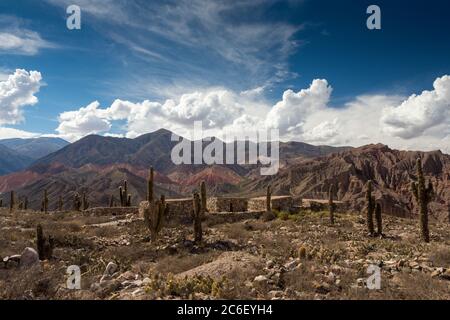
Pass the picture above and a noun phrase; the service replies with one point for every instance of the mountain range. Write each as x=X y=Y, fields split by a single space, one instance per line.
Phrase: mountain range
x=17 y=154
x=98 y=165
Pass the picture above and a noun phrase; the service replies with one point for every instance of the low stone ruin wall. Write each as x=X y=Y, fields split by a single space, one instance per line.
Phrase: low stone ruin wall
x=322 y=205
x=115 y=211
x=179 y=209
x=280 y=203
x=226 y=204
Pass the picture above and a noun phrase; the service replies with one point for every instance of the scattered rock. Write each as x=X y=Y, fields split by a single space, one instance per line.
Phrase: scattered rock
x=106 y=287
x=260 y=279
x=111 y=268
x=29 y=257
x=321 y=287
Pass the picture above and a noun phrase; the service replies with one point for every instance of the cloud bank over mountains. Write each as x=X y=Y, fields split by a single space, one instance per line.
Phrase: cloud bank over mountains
x=420 y=121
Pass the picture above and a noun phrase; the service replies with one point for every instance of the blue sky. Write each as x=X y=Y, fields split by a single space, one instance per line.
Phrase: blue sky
x=158 y=64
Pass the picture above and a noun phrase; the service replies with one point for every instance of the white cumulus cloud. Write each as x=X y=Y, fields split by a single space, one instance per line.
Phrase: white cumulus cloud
x=289 y=114
x=420 y=113
x=16 y=92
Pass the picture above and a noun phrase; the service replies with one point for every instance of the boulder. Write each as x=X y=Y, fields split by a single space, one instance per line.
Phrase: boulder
x=29 y=257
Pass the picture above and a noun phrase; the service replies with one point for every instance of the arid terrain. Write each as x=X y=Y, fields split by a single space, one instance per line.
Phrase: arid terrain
x=295 y=256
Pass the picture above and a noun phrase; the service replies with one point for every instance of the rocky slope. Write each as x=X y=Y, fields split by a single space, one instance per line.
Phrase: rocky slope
x=35 y=148
x=83 y=165
x=12 y=161
x=391 y=170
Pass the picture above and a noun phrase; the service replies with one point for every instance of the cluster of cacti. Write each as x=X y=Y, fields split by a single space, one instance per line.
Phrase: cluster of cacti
x=156 y=211
x=44 y=202
x=370 y=208
x=76 y=202
x=125 y=197
x=23 y=205
x=44 y=244
x=154 y=216
x=423 y=194
x=331 y=204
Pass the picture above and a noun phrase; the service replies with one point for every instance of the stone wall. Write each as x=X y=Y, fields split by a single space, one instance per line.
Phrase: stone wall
x=226 y=204
x=179 y=209
x=115 y=211
x=280 y=203
x=322 y=205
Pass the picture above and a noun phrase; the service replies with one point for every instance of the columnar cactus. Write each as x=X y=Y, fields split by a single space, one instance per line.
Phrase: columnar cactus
x=203 y=196
x=370 y=208
x=154 y=216
x=85 y=202
x=150 y=185
x=379 y=219
x=1 y=203
x=111 y=201
x=198 y=215
x=11 y=201
x=268 y=214
x=44 y=203
x=25 y=203
x=60 y=203
x=125 y=197
x=44 y=244
x=423 y=194
x=121 y=193
x=76 y=202
x=331 y=204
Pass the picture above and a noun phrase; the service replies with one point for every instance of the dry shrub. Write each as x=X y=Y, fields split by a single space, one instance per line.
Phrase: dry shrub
x=32 y=283
x=441 y=257
x=237 y=231
x=185 y=262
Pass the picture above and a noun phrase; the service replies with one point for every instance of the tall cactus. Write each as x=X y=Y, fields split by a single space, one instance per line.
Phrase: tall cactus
x=60 y=204
x=76 y=202
x=85 y=202
x=268 y=214
x=150 y=185
x=11 y=201
x=203 y=196
x=1 y=203
x=25 y=203
x=121 y=196
x=331 y=204
x=44 y=244
x=423 y=194
x=154 y=216
x=111 y=201
x=198 y=215
x=370 y=208
x=125 y=197
x=379 y=219
x=44 y=203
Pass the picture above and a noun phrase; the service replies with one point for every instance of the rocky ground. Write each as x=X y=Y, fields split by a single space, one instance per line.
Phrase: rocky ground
x=297 y=256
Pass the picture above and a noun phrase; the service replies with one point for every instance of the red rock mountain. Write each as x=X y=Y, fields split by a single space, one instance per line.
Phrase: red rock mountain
x=391 y=171
x=98 y=165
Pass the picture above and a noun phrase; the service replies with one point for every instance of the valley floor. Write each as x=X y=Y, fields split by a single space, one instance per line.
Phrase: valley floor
x=293 y=257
